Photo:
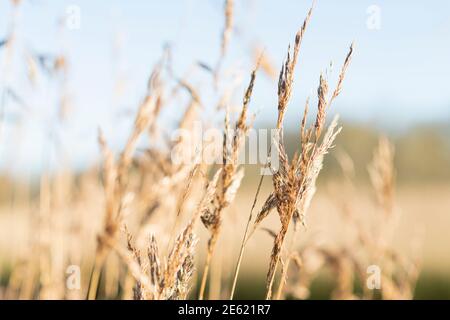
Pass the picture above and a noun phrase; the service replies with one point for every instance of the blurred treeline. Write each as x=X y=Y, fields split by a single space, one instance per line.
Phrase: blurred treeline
x=422 y=152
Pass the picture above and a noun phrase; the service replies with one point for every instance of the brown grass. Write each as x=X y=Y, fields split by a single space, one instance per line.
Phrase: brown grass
x=135 y=231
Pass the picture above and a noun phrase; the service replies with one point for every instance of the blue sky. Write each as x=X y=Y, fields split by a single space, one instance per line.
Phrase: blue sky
x=399 y=75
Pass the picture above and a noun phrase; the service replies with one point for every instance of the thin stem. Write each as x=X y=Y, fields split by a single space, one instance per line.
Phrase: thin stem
x=211 y=247
x=282 y=236
x=282 y=280
x=94 y=281
x=244 y=239
x=286 y=268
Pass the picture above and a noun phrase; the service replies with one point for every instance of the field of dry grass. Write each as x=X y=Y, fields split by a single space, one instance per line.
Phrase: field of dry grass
x=140 y=224
x=424 y=215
